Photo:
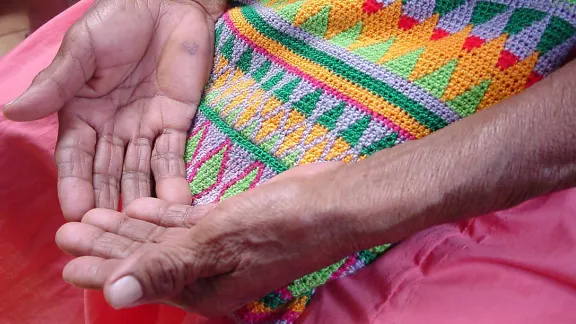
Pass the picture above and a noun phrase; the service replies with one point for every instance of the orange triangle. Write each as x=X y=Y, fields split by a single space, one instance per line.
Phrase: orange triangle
x=291 y=140
x=508 y=82
x=343 y=16
x=438 y=53
x=249 y=112
x=379 y=27
x=222 y=62
x=269 y=106
x=237 y=100
x=269 y=126
x=314 y=154
x=294 y=119
x=475 y=67
x=232 y=85
x=309 y=9
x=220 y=81
x=409 y=40
x=340 y=146
x=316 y=132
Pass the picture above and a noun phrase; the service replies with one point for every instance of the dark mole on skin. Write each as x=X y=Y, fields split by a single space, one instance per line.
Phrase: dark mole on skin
x=190 y=47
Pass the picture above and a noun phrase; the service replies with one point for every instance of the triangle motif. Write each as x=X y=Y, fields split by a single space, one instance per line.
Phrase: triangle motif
x=307 y=104
x=207 y=174
x=445 y=6
x=268 y=145
x=466 y=103
x=484 y=11
x=241 y=185
x=386 y=142
x=437 y=81
x=290 y=11
x=353 y=134
x=404 y=65
x=262 y=71
x=245 y=61
x=347 y=37
x=329 y=118
x=291 y=140
x=271 y=83
x=374 y=52
x=557 y=32
x=317 y=24
x=522 y=18
x=285 y=92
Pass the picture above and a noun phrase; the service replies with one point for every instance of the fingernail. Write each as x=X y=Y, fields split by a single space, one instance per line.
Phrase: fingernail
x=125 y=292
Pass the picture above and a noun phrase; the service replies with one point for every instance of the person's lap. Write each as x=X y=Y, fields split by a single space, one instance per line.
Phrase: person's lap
x=515 y=266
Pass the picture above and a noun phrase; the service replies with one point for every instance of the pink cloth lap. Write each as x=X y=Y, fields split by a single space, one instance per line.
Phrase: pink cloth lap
x=517 y=266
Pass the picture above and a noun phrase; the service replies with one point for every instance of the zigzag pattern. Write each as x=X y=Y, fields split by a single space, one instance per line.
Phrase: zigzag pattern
x=304 y=81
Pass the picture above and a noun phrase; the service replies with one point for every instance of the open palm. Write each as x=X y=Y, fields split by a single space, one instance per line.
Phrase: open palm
x=126 y=84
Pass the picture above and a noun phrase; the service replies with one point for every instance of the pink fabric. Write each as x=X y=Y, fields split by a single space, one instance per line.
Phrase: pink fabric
x=517 y=266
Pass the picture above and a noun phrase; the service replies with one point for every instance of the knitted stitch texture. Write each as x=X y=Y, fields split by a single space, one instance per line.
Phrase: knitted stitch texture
x=303 y=81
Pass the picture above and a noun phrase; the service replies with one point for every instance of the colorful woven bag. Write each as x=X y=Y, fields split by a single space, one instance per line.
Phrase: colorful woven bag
x=303 y=81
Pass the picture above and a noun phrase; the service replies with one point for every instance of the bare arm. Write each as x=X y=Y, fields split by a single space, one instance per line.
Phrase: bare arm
x=521 y=148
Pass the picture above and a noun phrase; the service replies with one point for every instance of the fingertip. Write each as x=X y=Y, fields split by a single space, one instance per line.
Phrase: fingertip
x=97 y=215
x=63 y=235
x=76 y=198
x=175 y=191
x=147 y=203
x=69 y=272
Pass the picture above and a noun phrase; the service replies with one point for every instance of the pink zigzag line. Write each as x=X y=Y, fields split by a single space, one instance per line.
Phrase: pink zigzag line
x=317 y=83
x=203 y=128
x=224 y=146
x=254 y=165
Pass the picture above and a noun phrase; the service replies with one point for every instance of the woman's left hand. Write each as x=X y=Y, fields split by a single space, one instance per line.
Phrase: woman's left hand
x=209 y=259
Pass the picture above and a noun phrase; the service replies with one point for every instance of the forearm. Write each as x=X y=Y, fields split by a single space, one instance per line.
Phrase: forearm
x=516 y=150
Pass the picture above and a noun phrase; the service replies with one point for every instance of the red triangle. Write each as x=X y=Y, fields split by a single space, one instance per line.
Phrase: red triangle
x=506 y=60
x=532 y=79
x=371 y=6
x=439 y=34
x=406 y=22
x=473 y=42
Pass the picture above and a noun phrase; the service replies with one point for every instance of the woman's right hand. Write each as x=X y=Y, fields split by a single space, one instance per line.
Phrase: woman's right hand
x=126 y=84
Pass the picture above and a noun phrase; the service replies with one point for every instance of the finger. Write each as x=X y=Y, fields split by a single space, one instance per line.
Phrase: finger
x=164 y=214
x=74 y=156
x=81 y=239
x=134 y=229
x=89 y=272
x=136 y=174
x=152 y=275
x=60 y=81
x=107 y=171
x=169 y=168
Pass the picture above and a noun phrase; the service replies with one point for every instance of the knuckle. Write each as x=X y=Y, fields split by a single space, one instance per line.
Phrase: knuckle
x=156 y=235
x=167 y=272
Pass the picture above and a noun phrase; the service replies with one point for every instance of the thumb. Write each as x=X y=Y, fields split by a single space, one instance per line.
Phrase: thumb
x=59 y=82
x=155 y=275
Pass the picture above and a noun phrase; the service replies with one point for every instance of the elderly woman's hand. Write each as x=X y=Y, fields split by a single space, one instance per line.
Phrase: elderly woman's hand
x=244 y=248
x=126 y=83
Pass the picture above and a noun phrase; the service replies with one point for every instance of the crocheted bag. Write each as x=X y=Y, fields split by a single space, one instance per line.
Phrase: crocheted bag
x=304 y=81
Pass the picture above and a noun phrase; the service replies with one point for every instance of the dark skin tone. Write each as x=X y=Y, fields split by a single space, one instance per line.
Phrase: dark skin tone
x=202 y=258
x=125 y=84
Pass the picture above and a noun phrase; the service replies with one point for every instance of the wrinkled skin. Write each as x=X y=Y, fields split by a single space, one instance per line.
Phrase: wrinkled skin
x=205 y=259
x=126 y=84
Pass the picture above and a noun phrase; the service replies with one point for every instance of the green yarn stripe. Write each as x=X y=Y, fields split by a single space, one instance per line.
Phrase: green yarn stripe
x=416 y=110
x=243 y=142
